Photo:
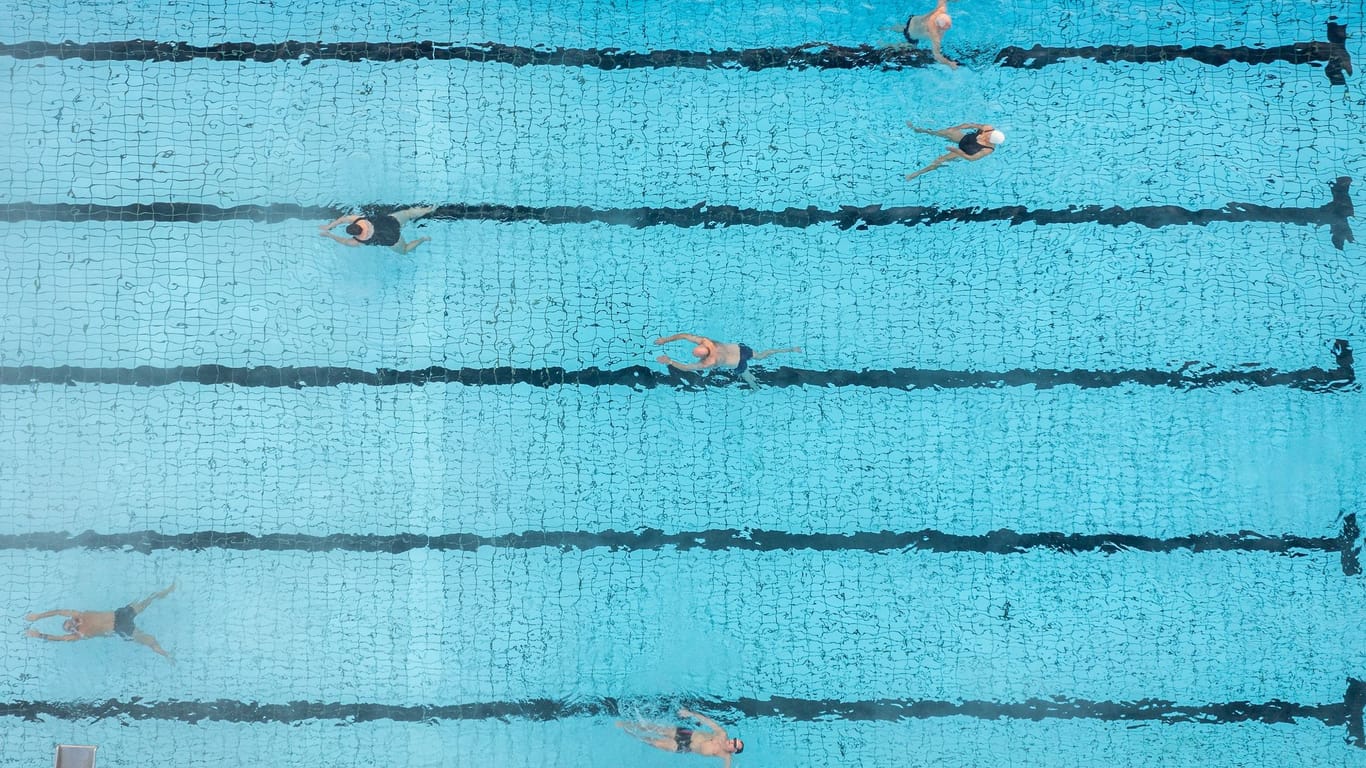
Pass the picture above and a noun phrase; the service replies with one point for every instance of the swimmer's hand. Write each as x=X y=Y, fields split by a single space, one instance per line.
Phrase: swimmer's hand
x=33 y=633
x=660 y=340
x=32 y=617
x=664 y=359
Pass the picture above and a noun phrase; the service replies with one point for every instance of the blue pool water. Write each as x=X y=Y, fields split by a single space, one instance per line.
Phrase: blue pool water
x=376 y=565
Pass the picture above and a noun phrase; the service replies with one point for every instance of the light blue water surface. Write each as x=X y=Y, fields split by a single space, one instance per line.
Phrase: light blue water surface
x=659 y=627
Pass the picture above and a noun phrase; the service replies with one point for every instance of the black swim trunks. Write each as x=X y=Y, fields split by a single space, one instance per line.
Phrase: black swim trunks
x=745 y=355
x=123 y=621
x=386 y=230
x=683 y=740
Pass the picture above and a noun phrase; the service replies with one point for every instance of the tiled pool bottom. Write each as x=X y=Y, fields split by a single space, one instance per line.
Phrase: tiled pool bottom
x=1066 y=474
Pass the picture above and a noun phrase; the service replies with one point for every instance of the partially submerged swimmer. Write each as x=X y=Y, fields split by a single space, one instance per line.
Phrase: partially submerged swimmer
x=976 y=145
x=932 y=26
x=82 y=625
x=711 y=353
x=714 y=742
x=378 y=229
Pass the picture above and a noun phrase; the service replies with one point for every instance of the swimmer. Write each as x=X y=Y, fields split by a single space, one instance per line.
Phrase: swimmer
x=714 y=742
x=378 y=229
x=82 y=625
x=932 y=26
x=983 y=140
x=711 y=354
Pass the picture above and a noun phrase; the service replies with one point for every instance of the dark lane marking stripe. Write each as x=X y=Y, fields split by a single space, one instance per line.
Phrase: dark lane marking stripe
x=1345 y=713
x=1333 y=214
x=1342 y=377
x=1001 y=542
x=1333 y=54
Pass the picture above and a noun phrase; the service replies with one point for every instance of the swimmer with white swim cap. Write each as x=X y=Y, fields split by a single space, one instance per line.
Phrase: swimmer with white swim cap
x=932 y=26
x=974 y=141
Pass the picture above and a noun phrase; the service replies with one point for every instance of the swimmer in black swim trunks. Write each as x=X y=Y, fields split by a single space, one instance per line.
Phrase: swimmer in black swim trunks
x=976 y=145
x=710 y=354
x=931 y=26
x=81 y=625
x=714 y=742
x=378 y=229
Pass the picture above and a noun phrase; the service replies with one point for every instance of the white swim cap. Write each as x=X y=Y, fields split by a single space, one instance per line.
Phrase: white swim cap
x=943 y=21
x=997 y=137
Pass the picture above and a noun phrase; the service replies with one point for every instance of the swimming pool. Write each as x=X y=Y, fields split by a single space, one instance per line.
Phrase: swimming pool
x=1067 y=472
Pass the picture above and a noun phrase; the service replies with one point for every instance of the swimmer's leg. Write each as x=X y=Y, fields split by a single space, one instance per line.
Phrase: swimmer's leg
x=952 y=134
x=668 y=743
x=771 y=352
x=151 y=642
x=407 y=247
x=141 y=605
x=408 y=214
x=658 y=736
x=646 y=732
x=938 y=161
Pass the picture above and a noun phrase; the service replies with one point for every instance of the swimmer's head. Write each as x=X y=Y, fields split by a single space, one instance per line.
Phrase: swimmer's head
x=71 y=625
x=996 y=137
x=736 y=746
x=943 y=21
x=700 y=351
x=353 y=229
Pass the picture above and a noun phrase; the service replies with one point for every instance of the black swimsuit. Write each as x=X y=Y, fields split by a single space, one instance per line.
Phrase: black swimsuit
x=746 y=354
x=969 y=143
x=683 y=739
x=123 y=621
x=386 y=230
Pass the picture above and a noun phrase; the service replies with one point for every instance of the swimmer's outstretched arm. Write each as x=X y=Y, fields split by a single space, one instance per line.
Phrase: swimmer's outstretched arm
x=339 y=220
x=665 y=359
x=55 y=638
x=677 y=336
x=343 y=240
x=59 y=612
x=939 y=56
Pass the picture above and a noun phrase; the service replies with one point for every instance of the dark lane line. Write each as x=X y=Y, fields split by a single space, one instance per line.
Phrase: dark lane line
x=1332 y=54
x=1188 y=377
x=1333 y=214
x=1347 y=713
x=1000 y=542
